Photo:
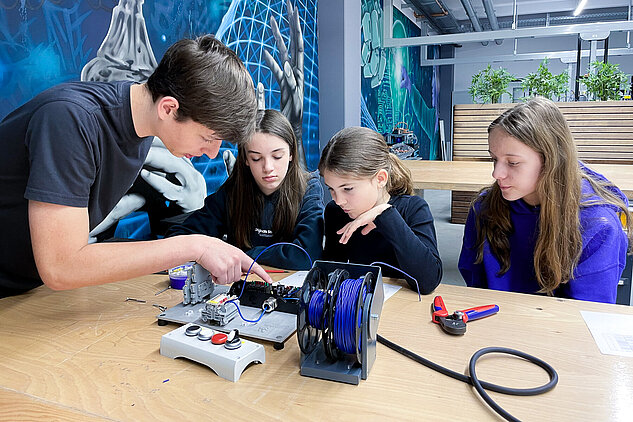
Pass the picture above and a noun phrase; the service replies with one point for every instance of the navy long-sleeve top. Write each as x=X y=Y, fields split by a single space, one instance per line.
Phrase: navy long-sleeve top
x=213 y=220
x=404 y=237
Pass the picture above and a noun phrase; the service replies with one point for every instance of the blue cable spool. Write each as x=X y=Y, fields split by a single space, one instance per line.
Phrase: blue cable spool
x=337 y=324
x=308 y=334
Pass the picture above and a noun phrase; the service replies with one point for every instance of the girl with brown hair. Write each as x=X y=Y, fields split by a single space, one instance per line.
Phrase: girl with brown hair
x=548 y=224
x=373 y=216
x=268 y=198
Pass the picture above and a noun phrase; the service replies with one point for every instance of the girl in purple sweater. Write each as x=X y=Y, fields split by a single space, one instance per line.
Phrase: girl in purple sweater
x=548 y=224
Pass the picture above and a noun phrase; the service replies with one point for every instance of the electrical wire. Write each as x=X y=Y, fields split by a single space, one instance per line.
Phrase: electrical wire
x=260 y=254
x=345 y=315
x=417 y=286
x=254 y=321
x=249 y=270
x=315 y=309
x=345 y=323
x=481 y=385
x=344 y=334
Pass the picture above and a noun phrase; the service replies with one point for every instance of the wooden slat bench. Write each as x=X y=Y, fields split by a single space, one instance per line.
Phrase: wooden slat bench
x=603 y=131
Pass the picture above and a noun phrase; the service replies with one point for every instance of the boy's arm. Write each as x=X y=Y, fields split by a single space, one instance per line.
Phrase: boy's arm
x=65 y=260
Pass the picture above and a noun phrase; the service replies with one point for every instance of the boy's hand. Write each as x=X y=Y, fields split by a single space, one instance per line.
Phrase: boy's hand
x=226 y=263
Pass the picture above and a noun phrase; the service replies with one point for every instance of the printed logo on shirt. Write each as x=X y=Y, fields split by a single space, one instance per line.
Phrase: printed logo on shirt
x=264 y=232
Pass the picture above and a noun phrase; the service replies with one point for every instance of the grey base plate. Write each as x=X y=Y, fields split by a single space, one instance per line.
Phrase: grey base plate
x=275 y=326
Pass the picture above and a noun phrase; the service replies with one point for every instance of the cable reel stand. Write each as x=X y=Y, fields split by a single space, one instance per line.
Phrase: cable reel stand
x=326 y=303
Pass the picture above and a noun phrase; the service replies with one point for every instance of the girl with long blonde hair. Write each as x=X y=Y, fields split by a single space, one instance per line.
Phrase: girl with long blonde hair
x=548 y=224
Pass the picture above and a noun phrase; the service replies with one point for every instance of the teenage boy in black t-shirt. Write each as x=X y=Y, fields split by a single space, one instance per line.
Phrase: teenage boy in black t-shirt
x=68 y=156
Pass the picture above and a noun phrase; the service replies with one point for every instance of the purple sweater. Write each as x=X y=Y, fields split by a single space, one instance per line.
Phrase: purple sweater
x=603 y=257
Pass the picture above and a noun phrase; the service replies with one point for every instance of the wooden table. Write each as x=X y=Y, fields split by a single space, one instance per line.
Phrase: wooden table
x=87 y=354
x=473 y=175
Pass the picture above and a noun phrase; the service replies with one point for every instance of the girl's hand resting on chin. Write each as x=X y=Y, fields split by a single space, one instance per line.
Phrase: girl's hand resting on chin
x=365 y=219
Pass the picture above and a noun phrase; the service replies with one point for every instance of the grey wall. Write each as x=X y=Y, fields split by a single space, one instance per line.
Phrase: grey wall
x=339 y=66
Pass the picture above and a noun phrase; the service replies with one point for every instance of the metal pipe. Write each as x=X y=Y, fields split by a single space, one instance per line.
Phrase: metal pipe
x=628 y=34
x=577 y=86
x=605 y=57
x=542 y=32
x=492 y=18
x=568 y=56
x=593 y=51
x=532 y=22
x=514 y=24
x=570 y=73
x=472 y=15
x=468 y=7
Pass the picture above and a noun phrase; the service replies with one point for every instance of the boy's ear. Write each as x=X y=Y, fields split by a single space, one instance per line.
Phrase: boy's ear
x=167 y=106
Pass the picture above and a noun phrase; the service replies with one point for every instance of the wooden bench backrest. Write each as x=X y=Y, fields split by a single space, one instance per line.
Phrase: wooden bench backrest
x=603 y=130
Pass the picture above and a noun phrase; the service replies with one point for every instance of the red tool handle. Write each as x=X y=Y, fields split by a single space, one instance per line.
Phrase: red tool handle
x=439 y=309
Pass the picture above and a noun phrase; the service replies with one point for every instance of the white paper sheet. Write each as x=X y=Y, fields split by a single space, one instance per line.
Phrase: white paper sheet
x=390 y=290
x=297 y=279
x=613 y=333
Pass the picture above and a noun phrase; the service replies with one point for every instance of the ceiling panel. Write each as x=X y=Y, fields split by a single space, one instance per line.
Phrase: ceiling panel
x=529 y=7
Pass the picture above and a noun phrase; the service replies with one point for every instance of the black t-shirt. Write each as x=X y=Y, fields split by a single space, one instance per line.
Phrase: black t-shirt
x=73 y=144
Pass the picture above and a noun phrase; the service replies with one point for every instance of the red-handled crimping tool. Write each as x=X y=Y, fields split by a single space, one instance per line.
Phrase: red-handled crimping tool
x=456 y=323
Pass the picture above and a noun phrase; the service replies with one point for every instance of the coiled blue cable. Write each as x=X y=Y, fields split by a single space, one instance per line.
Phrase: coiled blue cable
x=315 y=310
x=345 y=322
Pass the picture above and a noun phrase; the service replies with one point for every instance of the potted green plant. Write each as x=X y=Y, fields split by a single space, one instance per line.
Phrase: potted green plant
x=489 y=84
x=605 y=81
x=545 y=84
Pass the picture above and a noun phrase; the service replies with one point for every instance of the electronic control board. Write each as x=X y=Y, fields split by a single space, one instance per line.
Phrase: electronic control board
x=258 y=294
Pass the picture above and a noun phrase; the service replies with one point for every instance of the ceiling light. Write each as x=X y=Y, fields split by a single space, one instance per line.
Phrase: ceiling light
x=581 y=5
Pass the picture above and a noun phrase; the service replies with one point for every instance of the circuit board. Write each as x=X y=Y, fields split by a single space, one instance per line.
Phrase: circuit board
x=257 y=292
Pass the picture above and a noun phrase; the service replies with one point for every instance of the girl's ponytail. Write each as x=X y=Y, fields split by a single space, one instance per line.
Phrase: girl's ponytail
x=400 y=182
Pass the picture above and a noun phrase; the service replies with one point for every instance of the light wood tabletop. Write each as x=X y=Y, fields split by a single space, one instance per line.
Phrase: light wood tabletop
x=87 y=354
x=474 y=175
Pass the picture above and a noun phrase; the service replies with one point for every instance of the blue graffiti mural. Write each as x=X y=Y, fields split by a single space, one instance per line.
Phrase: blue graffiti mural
x=46 y=42
x=395 y=89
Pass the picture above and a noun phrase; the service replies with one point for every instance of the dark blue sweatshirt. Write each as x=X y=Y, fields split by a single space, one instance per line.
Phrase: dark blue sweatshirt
x=404 y=237
x=603 y=257
x=213 y=220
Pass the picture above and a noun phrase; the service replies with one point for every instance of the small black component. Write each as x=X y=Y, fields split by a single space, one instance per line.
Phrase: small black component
x=192 y=330
x=256 y=293
x=233 y=340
